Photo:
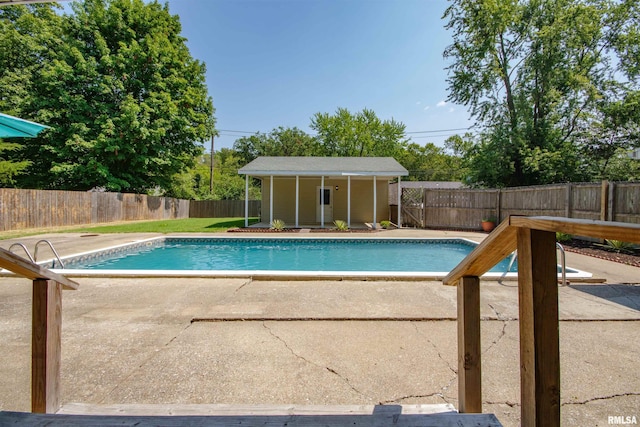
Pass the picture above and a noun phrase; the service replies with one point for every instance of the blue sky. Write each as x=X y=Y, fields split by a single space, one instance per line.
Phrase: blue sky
x=276 y=63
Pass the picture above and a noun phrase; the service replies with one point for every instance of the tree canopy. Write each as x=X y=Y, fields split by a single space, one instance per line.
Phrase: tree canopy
x=27 y=39
x=127 y=103
x=543 y=77
x=348 y=134
x=361 y=134
x=279 y=142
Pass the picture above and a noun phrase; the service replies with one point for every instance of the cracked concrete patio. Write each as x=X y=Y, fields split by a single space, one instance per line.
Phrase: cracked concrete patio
x=238 y=341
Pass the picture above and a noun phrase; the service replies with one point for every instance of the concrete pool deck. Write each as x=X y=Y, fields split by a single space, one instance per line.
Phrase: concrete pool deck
x=249 y=342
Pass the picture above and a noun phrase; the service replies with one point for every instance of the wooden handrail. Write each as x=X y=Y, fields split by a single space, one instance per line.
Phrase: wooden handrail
x=623 y=231
x=501 y=242
x=46 y=328
x=535 y=240
x=24 y=268
x=496 y=247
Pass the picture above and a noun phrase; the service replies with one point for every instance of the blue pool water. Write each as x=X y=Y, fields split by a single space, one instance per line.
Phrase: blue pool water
x=349 y=255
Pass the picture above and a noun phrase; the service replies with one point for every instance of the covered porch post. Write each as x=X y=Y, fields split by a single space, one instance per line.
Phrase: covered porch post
x=271 y=200
x=246 y=200
x=297 y=199
x=375 y=201
x=349 y=201
x=322 y=202
x=399 y=202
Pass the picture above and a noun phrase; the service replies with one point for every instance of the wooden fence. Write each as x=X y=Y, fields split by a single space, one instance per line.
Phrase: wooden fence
x=465 y=208
x=23 y=209
x=222 y=208
x=421 y=207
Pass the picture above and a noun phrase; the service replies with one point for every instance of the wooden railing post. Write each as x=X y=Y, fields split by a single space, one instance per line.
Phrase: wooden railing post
x=539 y=338
x=469 y=366
x=45 y=346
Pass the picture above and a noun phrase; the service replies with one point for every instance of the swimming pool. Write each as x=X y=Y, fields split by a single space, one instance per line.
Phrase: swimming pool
x=289 y=257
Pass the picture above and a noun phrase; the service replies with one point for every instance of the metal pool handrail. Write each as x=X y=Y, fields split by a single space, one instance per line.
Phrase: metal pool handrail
x=26 y=251
x=55 y=253
x=563 y=263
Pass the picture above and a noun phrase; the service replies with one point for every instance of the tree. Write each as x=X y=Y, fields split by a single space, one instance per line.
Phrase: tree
x=227 y=184
x=126 y=101
x=28 y=37
x=357 y=135
x=612 y=133
x=8 y=168
x=532 y=73
x=429 y=163
x=280 y=141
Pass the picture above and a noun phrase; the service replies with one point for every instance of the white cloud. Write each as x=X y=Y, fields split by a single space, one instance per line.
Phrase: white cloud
x=451 y=110
x=419 y=102
x=426 y=108
x=441 y=104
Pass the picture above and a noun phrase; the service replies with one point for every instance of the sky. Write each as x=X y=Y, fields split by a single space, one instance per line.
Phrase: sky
x=274 y=63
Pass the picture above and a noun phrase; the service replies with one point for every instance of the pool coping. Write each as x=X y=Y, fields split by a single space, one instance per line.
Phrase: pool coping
x=297 y=275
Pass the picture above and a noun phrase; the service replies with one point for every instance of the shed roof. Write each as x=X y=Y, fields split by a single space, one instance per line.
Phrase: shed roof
x=324 y=166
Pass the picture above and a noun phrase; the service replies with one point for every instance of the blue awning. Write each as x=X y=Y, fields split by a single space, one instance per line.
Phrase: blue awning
x=13 y=127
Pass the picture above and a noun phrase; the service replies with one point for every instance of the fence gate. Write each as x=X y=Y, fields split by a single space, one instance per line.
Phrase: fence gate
x=413 y=207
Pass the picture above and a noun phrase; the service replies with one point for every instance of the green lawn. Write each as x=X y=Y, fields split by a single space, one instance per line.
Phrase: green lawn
x=188 y=225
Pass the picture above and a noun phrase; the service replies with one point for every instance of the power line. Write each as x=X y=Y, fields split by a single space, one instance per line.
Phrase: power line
x=433 y=136
x=237 y=131
x=439 y=130
x=232 y=132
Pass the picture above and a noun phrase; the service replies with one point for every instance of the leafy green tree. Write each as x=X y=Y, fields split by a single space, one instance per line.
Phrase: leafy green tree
x=532 y=72
x=227 y=184
x=279 y=142
x=482 y=164
x=357 y=135
x=126 y=101
x=429 y=163
x=28 y=37
x=612 y=133
x=8 y=168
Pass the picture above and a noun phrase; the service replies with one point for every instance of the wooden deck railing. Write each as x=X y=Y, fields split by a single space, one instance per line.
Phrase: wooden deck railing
x=535 y=240
x=533 y=237
x=46 y=327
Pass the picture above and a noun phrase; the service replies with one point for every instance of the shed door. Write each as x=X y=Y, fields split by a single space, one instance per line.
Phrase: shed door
x=326 y=202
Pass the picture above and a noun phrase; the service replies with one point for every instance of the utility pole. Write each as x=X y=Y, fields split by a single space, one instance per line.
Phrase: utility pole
x=212 y=155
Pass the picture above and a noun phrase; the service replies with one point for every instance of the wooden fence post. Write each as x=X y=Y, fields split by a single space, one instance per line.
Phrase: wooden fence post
x=45 y=346
x=469 y=355
x=604 y=200
x=424 y=208
x=568 y=200
x=539 y=337
x=611 y=202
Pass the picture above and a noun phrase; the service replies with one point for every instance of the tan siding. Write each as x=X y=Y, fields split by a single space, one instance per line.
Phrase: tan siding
x=284 y=199
x=308 y=200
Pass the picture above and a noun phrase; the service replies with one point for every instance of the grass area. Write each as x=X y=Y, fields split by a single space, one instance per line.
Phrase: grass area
x=187 y=225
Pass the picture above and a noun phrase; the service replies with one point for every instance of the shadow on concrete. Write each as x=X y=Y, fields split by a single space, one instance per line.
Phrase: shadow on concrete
x=627 y=295
x=377 y=418
x=228 y=224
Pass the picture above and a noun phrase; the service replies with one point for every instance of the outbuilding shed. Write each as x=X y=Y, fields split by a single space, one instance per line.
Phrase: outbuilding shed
x=319 y=190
